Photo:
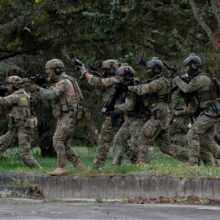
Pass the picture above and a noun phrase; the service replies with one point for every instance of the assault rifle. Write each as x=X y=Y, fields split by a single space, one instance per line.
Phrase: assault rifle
x=118 y=89
x=173 y=71
x=39 y=80
x=78 y=64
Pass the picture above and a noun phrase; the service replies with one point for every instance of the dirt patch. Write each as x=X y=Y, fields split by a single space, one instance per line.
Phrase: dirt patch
x=192 y=200
x=31 y=192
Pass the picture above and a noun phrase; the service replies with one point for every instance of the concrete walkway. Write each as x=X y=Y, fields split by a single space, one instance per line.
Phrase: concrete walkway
x=24 y=209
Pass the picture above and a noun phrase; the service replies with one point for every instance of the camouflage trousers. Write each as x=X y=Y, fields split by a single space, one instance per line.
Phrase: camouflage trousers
x=155 y=131
x=125 y=141
x=200 y=139
x=106 y=136
x=178 y=132
x=61 y=140
x=22 y=135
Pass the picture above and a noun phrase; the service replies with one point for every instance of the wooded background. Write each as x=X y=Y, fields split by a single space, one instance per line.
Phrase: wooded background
x=33 y=31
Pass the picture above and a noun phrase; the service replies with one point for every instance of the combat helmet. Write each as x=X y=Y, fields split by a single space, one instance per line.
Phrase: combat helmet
x=155 y=65
x=15 y=81
x=55 y=64
x=193 y=61
x=109 y=67
x=125 y=73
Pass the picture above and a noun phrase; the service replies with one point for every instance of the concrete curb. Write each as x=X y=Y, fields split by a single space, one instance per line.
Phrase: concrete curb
x=118 y=187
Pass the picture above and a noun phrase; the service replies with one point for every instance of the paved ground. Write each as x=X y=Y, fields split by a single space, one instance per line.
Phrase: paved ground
x=31 y=209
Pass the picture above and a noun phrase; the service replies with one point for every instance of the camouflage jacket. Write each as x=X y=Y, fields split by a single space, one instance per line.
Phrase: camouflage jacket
x=64 y=94
x=199 y=84
x=17 y=104
x=158 y=87
x=105 y=85
x=18 y=109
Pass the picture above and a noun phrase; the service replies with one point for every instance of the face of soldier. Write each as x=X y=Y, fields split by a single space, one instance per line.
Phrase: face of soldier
x=186 y=69
x=50 y=73
x=149 y=72
x=121 y=78
x=189 y=70
x=104 y=71
x=10 y=87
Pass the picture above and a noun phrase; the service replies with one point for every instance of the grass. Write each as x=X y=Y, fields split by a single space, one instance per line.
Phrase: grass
x=160 y=164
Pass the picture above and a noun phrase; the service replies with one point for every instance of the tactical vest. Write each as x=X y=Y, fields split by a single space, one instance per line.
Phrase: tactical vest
x=72 y=96
x=163 y=96
x=196 y=98
x=21 y=111
x=140 y=110
x=155 y=98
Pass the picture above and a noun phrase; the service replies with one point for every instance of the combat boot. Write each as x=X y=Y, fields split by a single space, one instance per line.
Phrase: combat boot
x=80 y=167
x=59 y=172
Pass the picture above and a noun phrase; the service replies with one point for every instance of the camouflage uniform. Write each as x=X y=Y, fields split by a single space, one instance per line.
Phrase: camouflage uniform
x=125 y=140
x=87 y=122
x=65 y=95
x=156 y=128
x=21 y=125
x=107 y=131
x=200 y=137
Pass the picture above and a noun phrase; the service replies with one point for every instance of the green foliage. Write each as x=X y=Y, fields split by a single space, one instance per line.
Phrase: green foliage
x=107 y=28
x=33 y=31
x=160 y=164
x=99 y=200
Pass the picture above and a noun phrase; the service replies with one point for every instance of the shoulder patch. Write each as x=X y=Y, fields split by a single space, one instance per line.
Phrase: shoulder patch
x=23 y=101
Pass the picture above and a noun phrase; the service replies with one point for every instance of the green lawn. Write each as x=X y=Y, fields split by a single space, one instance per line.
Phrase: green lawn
x=160 y=164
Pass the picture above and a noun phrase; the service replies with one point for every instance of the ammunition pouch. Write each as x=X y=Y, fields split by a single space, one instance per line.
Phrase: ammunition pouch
x=193 y=101
x=155 y=98
x=154 y=112
x=31 y=123
x=77 y=112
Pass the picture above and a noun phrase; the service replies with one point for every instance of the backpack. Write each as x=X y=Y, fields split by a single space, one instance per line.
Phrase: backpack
x=216 y=86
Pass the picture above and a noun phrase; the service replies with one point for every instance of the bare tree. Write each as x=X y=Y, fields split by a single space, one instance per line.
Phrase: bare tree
x=213 y=35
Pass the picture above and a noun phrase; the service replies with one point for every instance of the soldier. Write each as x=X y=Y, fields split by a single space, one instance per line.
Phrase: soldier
x=157 y=92
x=204 y=105
x=108 y=129
x=87 y=122
x=125 y=140
x=66 y=97
x=21 y=121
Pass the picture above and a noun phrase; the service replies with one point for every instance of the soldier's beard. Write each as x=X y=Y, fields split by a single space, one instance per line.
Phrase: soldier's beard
x=51 y=79
x=10 y=90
